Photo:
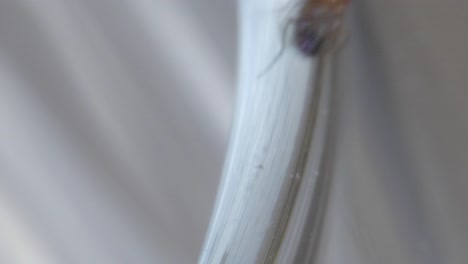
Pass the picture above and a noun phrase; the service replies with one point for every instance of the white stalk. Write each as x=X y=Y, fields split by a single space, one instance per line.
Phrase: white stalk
x=273 y=174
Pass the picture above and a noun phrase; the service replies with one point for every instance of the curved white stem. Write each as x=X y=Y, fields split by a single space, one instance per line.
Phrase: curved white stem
x=277 y=147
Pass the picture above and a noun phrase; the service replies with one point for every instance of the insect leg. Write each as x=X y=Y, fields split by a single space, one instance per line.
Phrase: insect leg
x=283 y=45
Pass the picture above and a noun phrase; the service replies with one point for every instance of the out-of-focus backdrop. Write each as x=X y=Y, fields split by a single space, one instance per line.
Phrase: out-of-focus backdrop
x=115 y=116
x=114 y=119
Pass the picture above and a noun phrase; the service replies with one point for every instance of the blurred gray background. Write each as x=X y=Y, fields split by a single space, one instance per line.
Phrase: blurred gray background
x=115 y=115
x=114 y=118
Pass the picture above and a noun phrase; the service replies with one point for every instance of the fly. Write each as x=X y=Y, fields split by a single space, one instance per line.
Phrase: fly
x=317 y=28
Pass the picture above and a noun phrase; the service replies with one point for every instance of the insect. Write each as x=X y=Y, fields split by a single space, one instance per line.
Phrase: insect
x=317 y=28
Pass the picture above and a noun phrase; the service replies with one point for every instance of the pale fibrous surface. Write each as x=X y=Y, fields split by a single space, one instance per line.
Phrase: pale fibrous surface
x=277 y=152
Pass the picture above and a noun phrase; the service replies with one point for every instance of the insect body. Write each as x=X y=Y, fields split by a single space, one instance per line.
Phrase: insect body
x=318 y=25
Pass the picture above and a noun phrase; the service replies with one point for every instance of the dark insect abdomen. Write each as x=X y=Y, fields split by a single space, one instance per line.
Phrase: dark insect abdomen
x=307 y=39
